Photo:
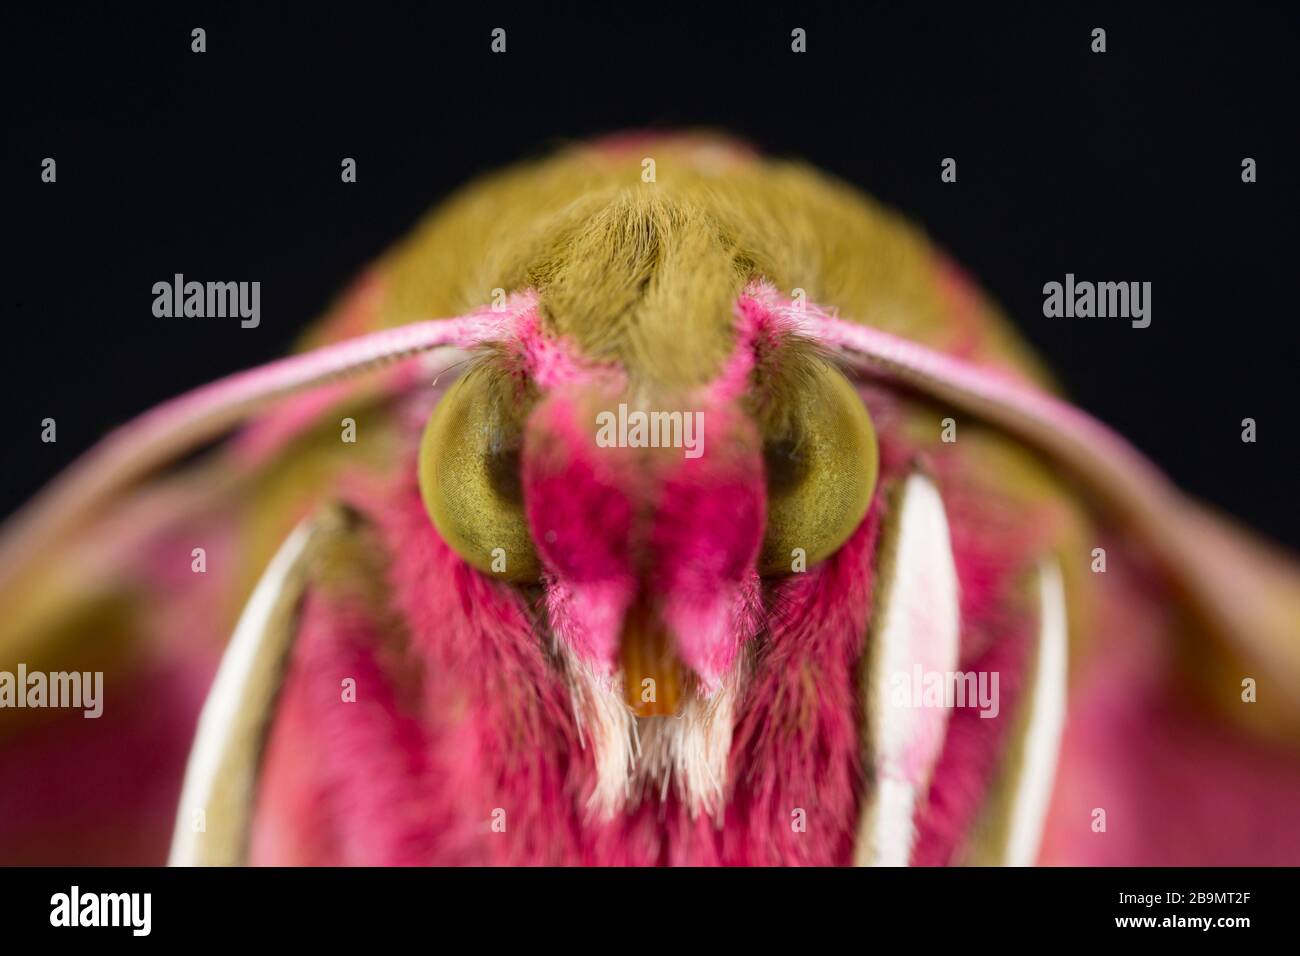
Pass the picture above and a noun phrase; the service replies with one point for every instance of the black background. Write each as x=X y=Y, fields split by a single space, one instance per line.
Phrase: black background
x=332 y=910
x=225 y=165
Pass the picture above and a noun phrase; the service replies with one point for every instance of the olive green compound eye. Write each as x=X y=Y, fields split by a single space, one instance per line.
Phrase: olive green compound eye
x=822 y=465
x=470 y=482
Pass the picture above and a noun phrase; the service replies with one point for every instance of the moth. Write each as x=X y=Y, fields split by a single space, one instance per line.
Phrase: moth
x=389 y=601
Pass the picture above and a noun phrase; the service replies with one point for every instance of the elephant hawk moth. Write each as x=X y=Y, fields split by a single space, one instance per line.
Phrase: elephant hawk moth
x=848 y=582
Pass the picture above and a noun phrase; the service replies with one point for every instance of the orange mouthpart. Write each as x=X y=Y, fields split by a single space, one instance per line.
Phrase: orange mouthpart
x=653 y=676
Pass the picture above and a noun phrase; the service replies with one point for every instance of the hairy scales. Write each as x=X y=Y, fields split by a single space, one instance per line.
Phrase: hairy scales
x=647 y=273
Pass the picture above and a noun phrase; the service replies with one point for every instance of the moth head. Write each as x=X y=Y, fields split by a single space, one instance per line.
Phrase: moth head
x=652 y=509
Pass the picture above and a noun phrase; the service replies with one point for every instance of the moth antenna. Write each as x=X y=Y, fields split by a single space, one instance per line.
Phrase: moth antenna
x=1249 y=594
x=181 y=424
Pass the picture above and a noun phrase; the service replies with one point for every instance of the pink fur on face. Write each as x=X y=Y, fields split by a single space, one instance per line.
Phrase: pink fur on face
x=612 y=524
x=494 y=730
x=704 y=543
x=582 y=513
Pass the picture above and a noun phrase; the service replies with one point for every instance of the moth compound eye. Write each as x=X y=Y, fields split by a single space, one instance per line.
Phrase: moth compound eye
x=822 y=464
x=470 y=481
